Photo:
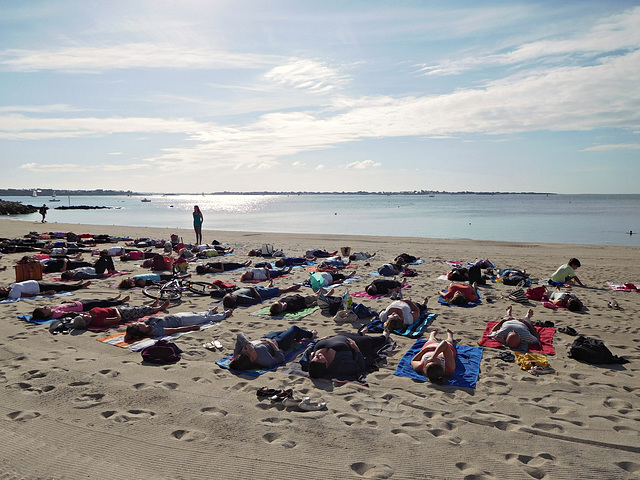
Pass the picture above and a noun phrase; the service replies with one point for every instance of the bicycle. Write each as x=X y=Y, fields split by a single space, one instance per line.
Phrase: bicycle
x=172 y=290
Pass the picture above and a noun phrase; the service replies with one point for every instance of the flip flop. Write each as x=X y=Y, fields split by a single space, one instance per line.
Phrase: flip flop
x=507 y=357
x=209 y=345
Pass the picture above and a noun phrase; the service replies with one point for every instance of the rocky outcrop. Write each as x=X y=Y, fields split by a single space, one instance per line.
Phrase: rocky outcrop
x=16 y=208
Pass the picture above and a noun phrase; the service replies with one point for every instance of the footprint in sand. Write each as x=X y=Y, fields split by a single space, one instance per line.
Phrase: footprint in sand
x=31 y=374
x=202 y=380
x=188 y=435
x=356 y=420
x=88 y=400
x=128 y=416
x=472 y=473
x=531 y=465
x=23 y=416
x=215 y=411
x=630 y=467
x=109 y=373
x=276 y=439
x=367 y=470
x=31 y=390
x=277 y=421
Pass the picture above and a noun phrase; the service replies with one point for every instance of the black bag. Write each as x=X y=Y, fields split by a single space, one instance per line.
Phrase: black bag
x=592 y=350
x=162 y=352
x=329 y=305
x=514 y=280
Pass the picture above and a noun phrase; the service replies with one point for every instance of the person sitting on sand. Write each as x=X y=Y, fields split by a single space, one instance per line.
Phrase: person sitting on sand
x=263 y=273
x=436 y=360
x=361 y=256
x=217 y=267
x=515 y=333
x=173 y=323
x=401 y=313
x=268 y=351
x=247 y=296
x=106 y=316
x=460 y=293
x=293 y=303
x=345 y=354
x=383 y=286
x=34 y=288
x=66 y=309
x=567 y=273
x=566 y=300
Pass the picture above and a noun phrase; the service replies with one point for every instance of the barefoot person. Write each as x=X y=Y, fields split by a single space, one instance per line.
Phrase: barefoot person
x=461 y=294
x=402 y=313
x=72 y=308
x=269 y=350
x=173 y=323
x=515 y=333
x=33 y=288
x=436 y=360
x=198 y=218
x=105 y=316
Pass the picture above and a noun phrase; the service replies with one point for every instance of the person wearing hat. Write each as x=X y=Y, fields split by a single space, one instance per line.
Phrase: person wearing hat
x=105 y=316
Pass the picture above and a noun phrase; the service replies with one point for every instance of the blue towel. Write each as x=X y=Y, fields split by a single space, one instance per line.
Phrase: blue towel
x=29 y=318
x=467 y=365
x=469 y=304
x=256 y=372
x=414 y=330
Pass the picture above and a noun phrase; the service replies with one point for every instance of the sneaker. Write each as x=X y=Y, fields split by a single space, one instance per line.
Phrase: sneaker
x=291 y=402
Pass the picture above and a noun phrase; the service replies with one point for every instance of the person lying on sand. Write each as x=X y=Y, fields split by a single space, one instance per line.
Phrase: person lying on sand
x=173 y=323
x=402 y=313
x=105 y=316
x=269 y=350
x=247 y=296
x=217 y=267
x=460 y=293
x=263 y=273
x=72 y=308
x=344 y=355
x=145 y=279
x=436 y=360
x=383 y=286
x=293 y=303
x=516 y=334
x=34 y=288
x=566 y=300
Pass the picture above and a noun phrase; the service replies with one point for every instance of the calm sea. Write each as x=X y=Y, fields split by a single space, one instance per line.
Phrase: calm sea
x=586 y=219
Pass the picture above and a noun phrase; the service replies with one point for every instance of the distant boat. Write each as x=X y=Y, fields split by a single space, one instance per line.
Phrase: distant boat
x=145 y=200
x=34 y=193
x=53 y=198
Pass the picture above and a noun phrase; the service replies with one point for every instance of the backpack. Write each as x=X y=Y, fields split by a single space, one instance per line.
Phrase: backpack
x=537 y=293
x=161 y=263
x=592 y=350
x=362 y=311
x=329 y=305
x=162 y=351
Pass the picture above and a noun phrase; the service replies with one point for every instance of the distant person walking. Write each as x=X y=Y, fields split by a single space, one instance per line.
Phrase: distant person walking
x=43 y=211
x=197 y=224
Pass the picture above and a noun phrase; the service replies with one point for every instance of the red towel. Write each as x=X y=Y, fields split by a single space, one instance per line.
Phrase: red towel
x=545 y=345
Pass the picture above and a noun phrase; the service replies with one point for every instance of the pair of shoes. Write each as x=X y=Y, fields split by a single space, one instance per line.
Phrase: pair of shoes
x=568 y=330
x=541 y=370
x=280 y=396
x=396 y=296
x=613 y=304
x=213 y=345
x=307 y=405
x=546 y=323
x=507 y=357
x=268 y=392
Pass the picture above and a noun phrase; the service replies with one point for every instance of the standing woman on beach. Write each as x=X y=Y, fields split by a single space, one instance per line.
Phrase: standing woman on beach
x=197 y=224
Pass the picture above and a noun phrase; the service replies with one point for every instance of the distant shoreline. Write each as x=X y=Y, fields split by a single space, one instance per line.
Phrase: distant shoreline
x=45 y=192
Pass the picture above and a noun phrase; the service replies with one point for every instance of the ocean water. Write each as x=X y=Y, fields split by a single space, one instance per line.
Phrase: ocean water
x=582 y=219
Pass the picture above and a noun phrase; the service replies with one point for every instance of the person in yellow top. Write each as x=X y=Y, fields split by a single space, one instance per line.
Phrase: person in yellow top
x=567 y=273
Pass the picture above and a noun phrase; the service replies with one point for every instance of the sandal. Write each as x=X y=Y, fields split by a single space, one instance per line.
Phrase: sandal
x=307 y=405
x=568 y=330
x=280 y=396
x=507 y=357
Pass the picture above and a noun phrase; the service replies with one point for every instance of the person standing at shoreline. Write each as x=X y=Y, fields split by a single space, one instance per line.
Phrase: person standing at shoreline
x=197 y=224
x=43 y=211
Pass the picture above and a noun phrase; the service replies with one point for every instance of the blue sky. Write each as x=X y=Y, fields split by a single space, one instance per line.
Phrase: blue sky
x=206 y=96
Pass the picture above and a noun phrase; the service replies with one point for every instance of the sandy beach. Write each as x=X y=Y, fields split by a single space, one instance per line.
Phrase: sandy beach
x=74 y=407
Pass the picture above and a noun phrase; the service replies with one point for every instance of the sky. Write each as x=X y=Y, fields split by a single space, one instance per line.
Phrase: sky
x=209 y=96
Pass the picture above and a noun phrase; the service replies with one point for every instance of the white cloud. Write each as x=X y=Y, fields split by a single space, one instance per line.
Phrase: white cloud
x=307 y=75
x=621 y=146
x=130 y=55
x=365 y=164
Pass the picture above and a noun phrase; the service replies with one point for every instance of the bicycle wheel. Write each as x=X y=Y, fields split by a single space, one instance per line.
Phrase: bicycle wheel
x=162 y=292
x=201 y=288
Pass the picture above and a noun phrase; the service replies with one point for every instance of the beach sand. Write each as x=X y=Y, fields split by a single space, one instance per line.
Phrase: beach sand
x=73 y=407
